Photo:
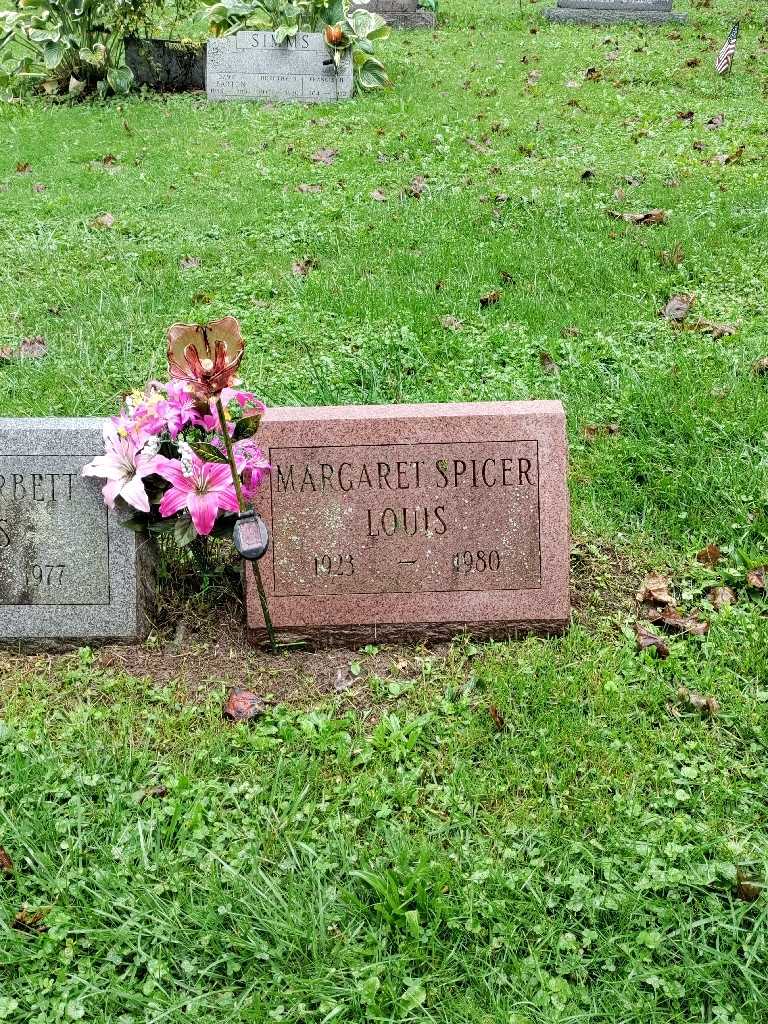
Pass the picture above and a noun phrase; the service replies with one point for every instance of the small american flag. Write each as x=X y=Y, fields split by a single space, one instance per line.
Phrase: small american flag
x=728 y=52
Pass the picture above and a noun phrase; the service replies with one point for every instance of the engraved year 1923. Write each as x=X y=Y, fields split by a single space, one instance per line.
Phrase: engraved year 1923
x=334 y=565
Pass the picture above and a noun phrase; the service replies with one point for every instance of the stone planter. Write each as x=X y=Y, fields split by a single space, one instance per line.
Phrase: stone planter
x=166 y=65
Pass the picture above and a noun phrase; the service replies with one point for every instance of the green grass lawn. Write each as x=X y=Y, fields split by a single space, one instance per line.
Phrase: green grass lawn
x=386 y=854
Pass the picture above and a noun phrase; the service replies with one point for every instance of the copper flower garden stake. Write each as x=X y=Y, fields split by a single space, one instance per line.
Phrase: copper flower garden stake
x=206 y=359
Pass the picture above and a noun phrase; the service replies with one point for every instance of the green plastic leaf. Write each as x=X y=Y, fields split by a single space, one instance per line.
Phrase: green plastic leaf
x=137 y=523
x=246 y=427
x=207 y=452
x=184 y=531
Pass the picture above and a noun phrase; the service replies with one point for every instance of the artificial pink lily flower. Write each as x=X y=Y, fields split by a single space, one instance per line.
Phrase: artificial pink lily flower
x=249 y=403
x=181 y=408
x=124 y=466
x=252 y=465
x=204 y=492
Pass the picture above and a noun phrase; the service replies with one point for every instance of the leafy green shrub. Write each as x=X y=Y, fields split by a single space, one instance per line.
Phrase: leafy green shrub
x=70 y=46
x=355 y=32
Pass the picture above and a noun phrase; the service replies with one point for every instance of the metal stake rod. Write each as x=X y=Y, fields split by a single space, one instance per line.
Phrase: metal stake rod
x=244 y=508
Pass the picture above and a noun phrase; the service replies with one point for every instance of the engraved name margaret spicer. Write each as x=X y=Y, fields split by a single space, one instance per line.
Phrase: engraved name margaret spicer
x=319 y=477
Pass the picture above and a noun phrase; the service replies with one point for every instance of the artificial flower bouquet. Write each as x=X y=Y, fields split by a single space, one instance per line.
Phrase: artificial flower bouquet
x=182 y=454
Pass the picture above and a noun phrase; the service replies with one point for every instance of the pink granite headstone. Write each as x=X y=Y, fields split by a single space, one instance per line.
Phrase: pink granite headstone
x=398 y=521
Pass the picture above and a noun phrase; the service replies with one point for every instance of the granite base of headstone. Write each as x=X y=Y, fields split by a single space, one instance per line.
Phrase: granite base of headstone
x=414 y=521
x=398 y=13
x=69 y=570
x=610 y=12
x=252 y=66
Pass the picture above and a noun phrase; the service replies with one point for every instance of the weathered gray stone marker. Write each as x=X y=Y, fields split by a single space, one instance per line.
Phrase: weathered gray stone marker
x=398 y=13
x=414 y=521
x=252 y=66
x=68 y=569
x=599 y=12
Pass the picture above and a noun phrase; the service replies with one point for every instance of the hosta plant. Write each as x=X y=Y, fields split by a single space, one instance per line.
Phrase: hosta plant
x=69 y=46
x=345 y=31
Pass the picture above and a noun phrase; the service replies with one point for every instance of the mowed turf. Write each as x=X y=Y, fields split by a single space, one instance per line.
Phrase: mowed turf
x=394 y=856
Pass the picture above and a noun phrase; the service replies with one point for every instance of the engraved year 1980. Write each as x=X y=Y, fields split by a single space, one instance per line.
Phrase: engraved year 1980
x=465 y=562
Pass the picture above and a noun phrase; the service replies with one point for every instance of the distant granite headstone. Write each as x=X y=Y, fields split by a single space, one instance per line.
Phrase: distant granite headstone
x=398 y=13
x=601 y=12
x=68 y=569
x=252 y=66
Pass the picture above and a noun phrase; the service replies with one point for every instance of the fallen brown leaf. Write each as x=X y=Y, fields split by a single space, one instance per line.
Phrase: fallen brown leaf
x=756 y=578
x=760 y=366
x=498 y=719
x=39 y=187
x=416 y=189
x=715 y=122
x=645 y=219
x=672 y=257
x=710 y=555
x=693 y=62
x=23 y=168
x=533 y=77
x=6 y=864
x=29 y=921
x=451 y=323
x=378 y=196
x=33 y=348
x=106 y=220
x=548 y=364
x=593 y=74
x=746 y=888
x=646 y=639
x=243 y=706
x=324 y=156
x=154 y=792
x=655 y=590
x=109 y=160
x=724 y=159
x=698 y=702
x=489 y=299
x=721 y=597
x=303 y=187
x=189 y=263
x=302 y=267
x=677 y=622
x=684 y=115
x=677 y=308
x=709 y=327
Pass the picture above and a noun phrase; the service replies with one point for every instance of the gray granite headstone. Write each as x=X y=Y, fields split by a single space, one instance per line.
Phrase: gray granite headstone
x=69 y=571
x=398 y=13
x=601 y=12
x=252 y=66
